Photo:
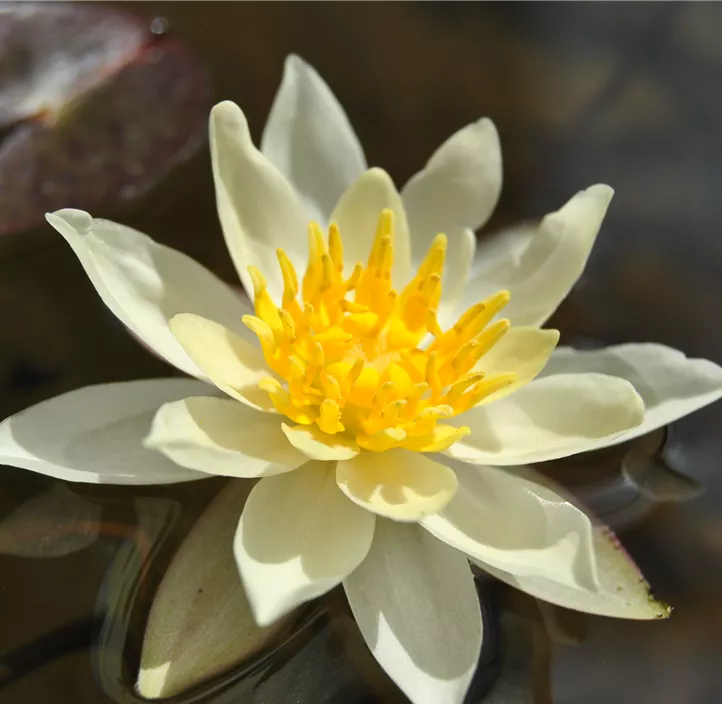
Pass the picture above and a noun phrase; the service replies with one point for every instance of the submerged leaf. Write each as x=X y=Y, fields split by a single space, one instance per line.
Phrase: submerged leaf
x=53 y=524
x=647 y=468
x=200 y=623
x=93 y=107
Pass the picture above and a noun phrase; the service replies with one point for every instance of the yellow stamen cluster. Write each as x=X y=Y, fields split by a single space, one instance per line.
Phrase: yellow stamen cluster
x=355 y=366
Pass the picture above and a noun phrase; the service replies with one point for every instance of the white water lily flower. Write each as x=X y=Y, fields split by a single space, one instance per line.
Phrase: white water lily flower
x=355 y=383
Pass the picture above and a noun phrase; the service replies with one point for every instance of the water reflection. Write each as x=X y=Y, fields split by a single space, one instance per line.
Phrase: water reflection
x=55 y=523
x=318 y=656
x=679 y=548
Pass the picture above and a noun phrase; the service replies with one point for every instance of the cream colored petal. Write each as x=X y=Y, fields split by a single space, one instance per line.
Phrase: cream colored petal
x=454 y=193
x=310 y=140
x=357 y=213
x=622 y=591
x=524 y=351
x=95 y=434
x=416 y=605
x=317 y=445
x=222 y=436
x=298 y=537
x=398 y=484
x=670 y=384
x=511 y=519
x=145 y=283
x=457 y=189
x=549 y=418
x=232 y=364
x=499 y=254
x=542 y=274
x=258 y=209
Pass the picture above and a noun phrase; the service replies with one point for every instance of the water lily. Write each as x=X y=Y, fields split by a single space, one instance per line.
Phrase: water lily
x=386 y=408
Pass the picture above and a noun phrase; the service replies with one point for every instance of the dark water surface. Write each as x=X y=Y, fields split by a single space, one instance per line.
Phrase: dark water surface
x=623 y=93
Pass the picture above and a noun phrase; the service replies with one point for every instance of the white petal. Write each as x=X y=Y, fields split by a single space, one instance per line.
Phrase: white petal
x=456 y=191
x=222 y=436
x=511 y=520
x=670 y=384
x=542 y=274
x=549 y=418
x=317 y=445
x=145 y=283
x=499 y=254
x=357 y=213
x=258 y=209
x=96 y=434
x=524 y=351
x=298 y=537
x=621 y=592
x=416 y=605
x=399 y=484
x=200 y=623
x=310 y=140
x=234 y=365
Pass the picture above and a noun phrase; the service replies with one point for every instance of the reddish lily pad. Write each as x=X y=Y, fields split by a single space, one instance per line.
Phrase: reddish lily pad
x=95 y=107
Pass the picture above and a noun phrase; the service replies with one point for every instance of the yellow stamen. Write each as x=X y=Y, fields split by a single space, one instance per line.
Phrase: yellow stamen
x=330 y=417
x=350 y=363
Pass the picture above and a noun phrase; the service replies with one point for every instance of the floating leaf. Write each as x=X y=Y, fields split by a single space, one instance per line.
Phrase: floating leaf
x=53 y=524
x=200 y=623
x=94 y=107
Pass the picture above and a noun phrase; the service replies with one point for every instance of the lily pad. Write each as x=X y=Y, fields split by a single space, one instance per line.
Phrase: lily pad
x=95 y=107
x=200 y=623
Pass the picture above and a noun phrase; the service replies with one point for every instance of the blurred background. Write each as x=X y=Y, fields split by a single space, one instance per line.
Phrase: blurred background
x=621 y=93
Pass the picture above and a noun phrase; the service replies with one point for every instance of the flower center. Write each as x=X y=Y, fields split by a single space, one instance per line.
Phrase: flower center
x=355 y=366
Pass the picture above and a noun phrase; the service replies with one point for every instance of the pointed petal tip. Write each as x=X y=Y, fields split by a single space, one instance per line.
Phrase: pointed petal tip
x=180 y=319
x=487 y=125
x=55 y=219
x=294 y=62
x=225 y=107
x=552 y=333
x=265 y=616
x=667 y=610
x=378 y=174
x=658 y=610
x=601 y=191
x=176 y=322
x=664 y=610
x=227 y=115
x=77 y=219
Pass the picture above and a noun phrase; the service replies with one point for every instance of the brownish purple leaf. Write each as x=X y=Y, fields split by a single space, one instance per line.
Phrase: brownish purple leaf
x=94 y=108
